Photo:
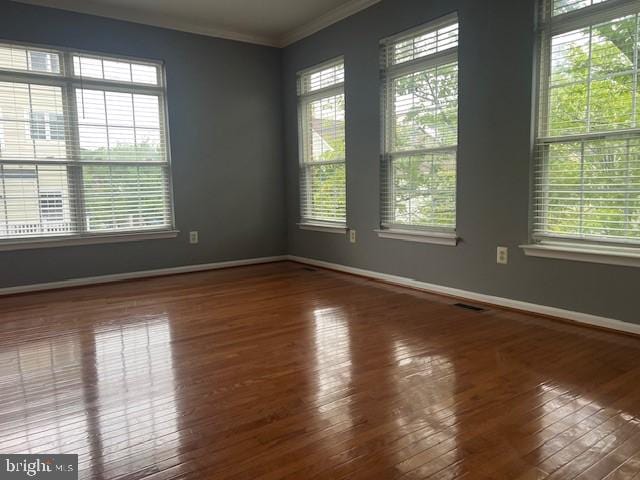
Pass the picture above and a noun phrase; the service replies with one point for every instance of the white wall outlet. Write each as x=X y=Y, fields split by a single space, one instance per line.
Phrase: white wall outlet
x=352 y=236
x=193 y=238
x=503 y=255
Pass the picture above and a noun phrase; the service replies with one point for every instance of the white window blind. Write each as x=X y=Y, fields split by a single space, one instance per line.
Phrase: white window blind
x=322 y=144
x=84 y=147
x=420 y=127
x=587 y=168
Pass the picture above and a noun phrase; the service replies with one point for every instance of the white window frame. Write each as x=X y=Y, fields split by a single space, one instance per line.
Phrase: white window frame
x=69 y=81
x=388 y=228
x=308 y=222
x=592 y=250
x=45 y=200
x=46 y=125
x=49 y=63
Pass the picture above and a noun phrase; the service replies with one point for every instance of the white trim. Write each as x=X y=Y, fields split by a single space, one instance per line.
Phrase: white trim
x=146 y=18
x=323 y=227
x=155 y=20
x=609 y=255
x=323 y=21
x=119 y=277
x=66 y=241
x=578 y=317
x=436 y=238
x=430 y=27
x=318 y=67
x=592 y=14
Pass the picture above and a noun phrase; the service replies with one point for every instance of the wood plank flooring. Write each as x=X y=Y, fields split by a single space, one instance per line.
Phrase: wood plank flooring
x=282 y=371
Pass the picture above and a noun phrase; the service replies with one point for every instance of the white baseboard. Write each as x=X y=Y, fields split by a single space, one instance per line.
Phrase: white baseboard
x=578 y=317
x=118 y=277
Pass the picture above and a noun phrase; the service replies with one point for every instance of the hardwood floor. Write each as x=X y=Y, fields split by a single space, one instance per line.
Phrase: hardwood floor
x=280 y=371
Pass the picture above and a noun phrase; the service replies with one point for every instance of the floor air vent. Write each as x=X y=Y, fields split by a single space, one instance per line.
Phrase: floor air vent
x=469 y=307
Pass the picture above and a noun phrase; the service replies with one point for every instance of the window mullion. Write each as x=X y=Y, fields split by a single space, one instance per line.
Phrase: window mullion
x=74 y=172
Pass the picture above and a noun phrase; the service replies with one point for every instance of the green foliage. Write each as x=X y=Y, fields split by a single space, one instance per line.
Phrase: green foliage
x=328 y=194
x=124 y=196
x=425 y=116
x=591 y=191
x=327 y=182
x=123 y=152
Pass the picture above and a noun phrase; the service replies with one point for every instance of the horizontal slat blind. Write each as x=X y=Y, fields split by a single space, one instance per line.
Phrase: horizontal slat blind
x=322 y=144
x=83 y=144
x=587 y=171
x=564 y=6
x=420 y=127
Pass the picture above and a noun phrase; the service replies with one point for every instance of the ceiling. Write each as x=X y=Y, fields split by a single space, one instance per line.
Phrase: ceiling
x=268 y=22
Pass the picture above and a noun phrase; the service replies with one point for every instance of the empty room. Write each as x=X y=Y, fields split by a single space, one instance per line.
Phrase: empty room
x=319 y=239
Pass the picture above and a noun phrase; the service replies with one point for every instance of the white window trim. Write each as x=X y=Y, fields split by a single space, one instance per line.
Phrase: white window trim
x=415 y=233
x=60 y=79
x=419 y=236
x=590 y=250
x=339 y=229
x=591 y=253
x=304 y=99
x=67 y=241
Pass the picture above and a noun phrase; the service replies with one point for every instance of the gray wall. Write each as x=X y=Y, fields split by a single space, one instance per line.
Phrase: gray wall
x=227 y=101
x=225 y=116
x=496 y=63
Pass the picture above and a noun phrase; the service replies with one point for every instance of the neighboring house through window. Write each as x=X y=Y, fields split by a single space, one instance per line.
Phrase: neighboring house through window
x=51 y=207
x=47 y=126
x=38 y=126
x=40 y=61
x=84 y=147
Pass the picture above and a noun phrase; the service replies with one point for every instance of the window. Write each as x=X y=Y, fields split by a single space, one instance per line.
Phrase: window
x=420 y=133
x=84 y=145
x=44 y=61
x=564 y=6
x=322 y=144
x=46 y=126
x=38 y=126
x=51 y=207
x=587 y=165
x=56 y=126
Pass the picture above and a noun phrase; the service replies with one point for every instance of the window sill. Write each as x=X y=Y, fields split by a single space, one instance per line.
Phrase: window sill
x=609 y=255
x=324 y=227
x=435 y=238
x=51 y=242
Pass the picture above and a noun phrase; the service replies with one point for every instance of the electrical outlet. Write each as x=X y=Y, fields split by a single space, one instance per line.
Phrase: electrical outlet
x=352 y=236
x=503 y=255
x=193 y=238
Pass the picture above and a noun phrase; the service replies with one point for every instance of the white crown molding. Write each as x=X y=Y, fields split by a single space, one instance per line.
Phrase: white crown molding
x=119 y=277
x=577 y=317
x=92 y=8
x=323 y=21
